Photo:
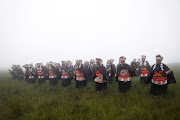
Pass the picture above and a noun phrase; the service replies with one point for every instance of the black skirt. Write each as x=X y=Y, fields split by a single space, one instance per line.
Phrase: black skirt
x=41 y=81
x=101 y=86
x=157 y=90
x=124 y=86
x=88 y=79
x=81 y=84
x=31 y=80
x=53 y=81
x=65 y=82
x=144 y=80
x=20 y=77
x=110 y=79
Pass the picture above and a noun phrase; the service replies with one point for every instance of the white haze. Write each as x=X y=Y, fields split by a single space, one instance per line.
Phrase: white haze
x=34 y=31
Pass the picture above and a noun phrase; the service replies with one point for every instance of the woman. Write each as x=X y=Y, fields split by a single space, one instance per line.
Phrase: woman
x=144 y=69
x=65 y=75
x=160 y=77
x=80 y=76
x=53 y=72
x=123 y=75
x=40 y=73
x=100 y=76
x=111 y=70
x=133 y=68
x=31 y=74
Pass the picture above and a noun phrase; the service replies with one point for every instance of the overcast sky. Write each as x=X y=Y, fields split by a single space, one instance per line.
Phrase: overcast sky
x=42 y=30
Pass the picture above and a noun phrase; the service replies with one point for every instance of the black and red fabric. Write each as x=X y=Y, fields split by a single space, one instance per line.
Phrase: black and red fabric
x=80 y=77
x=31 y=75
x=144 y=73
x=53 y=79
x=100 y=78
x=159 y=80
x=41 y=75
x=124 y=77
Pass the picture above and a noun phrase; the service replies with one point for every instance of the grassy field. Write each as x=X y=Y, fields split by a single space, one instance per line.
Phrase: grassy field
x=22 y=101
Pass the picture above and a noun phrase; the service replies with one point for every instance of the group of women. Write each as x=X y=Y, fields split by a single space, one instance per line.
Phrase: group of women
x=159 y=75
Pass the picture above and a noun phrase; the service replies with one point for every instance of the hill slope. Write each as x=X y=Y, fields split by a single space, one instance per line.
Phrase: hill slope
x=22 y=101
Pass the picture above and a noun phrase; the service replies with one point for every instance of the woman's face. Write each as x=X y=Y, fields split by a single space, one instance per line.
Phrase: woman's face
x=158 y=61
x=122 y=62
x=78 y=63
x=98 y=62
x=143 y=59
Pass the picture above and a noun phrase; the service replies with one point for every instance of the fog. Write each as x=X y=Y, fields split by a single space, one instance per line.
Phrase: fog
x=34 y=31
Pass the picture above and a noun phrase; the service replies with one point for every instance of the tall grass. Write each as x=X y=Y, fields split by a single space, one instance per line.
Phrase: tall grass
x=22 y=101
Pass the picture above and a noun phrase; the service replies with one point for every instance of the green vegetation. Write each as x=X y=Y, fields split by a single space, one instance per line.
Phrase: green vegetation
x=22 y=101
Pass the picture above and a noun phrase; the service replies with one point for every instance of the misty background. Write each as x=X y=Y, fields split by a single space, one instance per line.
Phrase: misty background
x=34 y=31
